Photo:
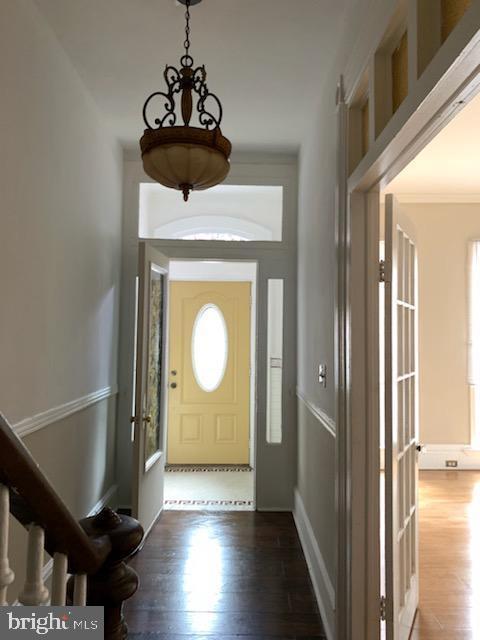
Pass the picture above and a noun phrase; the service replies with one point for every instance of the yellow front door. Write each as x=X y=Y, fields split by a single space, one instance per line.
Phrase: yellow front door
x=209 y=373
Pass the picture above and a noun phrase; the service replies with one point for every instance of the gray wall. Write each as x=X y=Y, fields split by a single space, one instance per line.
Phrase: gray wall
x=316 y=315
x=78 y=455
x=60 y=180
x=317 y=284
x=60 y=221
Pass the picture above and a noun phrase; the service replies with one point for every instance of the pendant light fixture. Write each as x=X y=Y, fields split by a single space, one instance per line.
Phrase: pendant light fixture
x=185 y=157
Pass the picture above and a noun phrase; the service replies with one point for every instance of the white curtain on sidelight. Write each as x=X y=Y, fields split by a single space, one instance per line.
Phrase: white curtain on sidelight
x=474 y=338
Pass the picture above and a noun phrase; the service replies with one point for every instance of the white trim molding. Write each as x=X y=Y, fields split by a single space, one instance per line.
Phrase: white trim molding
x=29 y=425
x=322 y=584
x=434 y=456
x=323 y=418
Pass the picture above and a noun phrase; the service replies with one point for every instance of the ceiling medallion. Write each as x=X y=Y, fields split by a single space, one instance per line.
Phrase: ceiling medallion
x=185 y=157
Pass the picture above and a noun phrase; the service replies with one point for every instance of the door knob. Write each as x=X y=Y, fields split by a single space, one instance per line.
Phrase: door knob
x=173 y=385
x=174 y=372
x=147 y=418
x=420 y=448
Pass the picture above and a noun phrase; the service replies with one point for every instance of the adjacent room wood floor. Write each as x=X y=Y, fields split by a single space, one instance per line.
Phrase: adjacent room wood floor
x=449 y=556
x=223 y=576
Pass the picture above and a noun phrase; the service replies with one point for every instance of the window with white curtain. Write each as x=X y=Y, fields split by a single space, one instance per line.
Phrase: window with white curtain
x=474 y=339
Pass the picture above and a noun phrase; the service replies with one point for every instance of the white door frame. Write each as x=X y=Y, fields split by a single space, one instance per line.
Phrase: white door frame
x=451 y=80
x=274 y=489
x=253 y=338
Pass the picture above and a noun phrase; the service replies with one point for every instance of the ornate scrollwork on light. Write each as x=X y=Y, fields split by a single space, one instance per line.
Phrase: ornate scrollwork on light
x=185 y=81
x=206 y=117
x=169 y=115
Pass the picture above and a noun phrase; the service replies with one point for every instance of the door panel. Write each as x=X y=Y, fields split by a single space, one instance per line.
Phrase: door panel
x=209 y=373
x=401 y=422
x=150 y=386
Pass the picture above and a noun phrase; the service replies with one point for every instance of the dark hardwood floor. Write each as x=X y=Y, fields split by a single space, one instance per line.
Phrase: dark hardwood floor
x=223 y=576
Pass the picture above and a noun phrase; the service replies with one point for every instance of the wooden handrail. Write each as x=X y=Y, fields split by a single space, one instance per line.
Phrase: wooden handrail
x=96 y=547
x=33 y=500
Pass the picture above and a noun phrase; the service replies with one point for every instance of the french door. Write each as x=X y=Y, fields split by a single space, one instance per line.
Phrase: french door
x=401 y=422
x=150 y=386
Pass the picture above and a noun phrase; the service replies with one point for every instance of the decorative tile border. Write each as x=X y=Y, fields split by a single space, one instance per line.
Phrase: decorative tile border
x=194 y=468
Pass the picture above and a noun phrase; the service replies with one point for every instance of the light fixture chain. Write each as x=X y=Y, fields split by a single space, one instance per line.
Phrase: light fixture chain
x=201 y=153
x=187 y=29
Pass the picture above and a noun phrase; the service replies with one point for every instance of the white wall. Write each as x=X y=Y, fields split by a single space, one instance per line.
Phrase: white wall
x=443 y=232
x=60 y=180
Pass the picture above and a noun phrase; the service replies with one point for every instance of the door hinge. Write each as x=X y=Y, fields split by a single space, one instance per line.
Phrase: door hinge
x=383 y=608
x=381 y=270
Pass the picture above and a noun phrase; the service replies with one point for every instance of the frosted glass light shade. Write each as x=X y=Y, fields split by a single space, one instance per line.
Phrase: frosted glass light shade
x=186 y=158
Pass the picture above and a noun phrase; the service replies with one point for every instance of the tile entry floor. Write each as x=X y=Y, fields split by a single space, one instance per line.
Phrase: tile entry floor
x=223 y=576
x=217 y=489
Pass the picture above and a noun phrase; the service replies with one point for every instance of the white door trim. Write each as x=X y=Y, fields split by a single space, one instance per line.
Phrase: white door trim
x=275 y=260
x=237 y=276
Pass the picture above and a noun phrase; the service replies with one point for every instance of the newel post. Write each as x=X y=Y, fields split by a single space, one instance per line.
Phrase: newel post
x=115 y=582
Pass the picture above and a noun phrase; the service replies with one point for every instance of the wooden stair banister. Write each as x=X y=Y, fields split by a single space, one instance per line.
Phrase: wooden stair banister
x=87 y=554
x=92 y=550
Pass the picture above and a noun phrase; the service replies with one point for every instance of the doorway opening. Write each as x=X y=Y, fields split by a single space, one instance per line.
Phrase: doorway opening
x=414 y=80
x=252 y=218
x=210 y=428
x=429 y=408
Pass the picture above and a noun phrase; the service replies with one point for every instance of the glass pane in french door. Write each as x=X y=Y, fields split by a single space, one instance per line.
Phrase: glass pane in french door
x=154 y=397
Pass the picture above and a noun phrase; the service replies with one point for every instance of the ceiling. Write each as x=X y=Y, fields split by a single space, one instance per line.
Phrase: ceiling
x=449 y=165
x=265 y=59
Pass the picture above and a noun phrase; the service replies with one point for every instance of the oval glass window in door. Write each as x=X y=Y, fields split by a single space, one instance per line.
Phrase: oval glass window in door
x=209 y=347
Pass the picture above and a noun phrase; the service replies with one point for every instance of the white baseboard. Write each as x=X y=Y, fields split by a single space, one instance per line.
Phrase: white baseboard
x=324 y=589
x=154 y=521
x=435 y=455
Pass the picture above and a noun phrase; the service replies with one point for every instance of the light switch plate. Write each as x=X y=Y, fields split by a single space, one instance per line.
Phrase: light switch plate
x=322 y=375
